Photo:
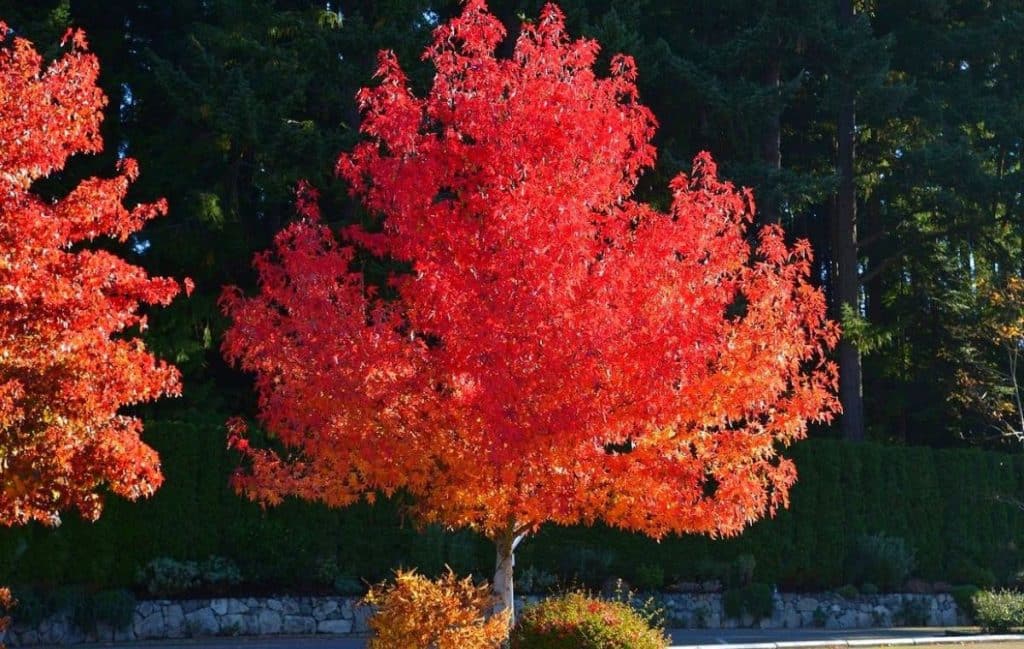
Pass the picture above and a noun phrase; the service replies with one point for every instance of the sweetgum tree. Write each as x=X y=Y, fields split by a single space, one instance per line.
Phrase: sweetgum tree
x=68 y=358
x=557 y=352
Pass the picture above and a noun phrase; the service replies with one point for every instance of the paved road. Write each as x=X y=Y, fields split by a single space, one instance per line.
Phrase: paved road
x=679 y=637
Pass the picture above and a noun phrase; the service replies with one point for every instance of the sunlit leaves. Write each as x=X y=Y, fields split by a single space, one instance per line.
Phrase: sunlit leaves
x=69 y=360
x=558 y=352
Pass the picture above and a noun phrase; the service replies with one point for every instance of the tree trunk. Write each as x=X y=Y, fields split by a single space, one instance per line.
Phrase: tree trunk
x=771 y=140
x=504 y=588
x=847 y=271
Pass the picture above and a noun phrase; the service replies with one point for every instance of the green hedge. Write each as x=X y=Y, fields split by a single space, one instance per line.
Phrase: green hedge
x=940 y=501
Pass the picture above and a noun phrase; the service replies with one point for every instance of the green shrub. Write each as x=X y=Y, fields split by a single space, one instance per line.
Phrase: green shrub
x=649 y=576
x=964 y=598
x=999 y=610
x=348 y=586
x=166 y=577
x=754 y=600
x=219 y=573
x=913 y=612
x=578 y=621
x=741 y=572
x=535 y=581
x=588 y=566
x=707 y=569
x=849 y=591
x=883 y=560
x=113 y=608
x=33 y=607
x=868 y=589
x=965 y=571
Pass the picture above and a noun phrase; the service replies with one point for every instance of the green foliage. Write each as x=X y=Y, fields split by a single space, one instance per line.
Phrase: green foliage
x=535 y=581
x=964 y=598
x=348 y=586
x=742 y=570
x=819 y=617
x=754 y=599
x=649 y=576
x=868 y=589
x=999 y=610
x=849 y=591
x=587 y=565
x=880 y=559
x=219 y=573
x=913 y=612
x=33 y=607
x=960 y=535
x=966 y=571
x=166 y=577
x=112 y=608
x=578 y=621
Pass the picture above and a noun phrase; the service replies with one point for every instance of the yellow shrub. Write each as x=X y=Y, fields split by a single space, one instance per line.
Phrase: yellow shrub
x=414 y=612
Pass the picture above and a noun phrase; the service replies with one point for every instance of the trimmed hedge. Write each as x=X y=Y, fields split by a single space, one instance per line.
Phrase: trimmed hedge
x=939 y=501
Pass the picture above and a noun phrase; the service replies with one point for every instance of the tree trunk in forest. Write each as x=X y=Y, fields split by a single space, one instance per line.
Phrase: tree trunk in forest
x=771 y=140
x=847 y=271
x=504 y=589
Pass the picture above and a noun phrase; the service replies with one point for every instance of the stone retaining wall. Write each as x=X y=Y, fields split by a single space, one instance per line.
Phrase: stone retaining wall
x=344 y=616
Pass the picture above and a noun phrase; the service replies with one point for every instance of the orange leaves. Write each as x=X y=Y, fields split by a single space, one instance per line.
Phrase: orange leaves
x=66 y=365
x=559 y=352
x=446 y=613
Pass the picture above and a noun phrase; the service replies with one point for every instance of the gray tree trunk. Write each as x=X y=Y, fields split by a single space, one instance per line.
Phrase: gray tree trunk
x=504 y=586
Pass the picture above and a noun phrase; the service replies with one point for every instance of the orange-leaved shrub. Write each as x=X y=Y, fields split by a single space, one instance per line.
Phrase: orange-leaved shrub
x=446 y=613
x=578 y=621
x=7 y=602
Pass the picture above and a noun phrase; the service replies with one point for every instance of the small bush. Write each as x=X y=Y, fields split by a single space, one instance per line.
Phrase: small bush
x=219 y=573
x=868 y=589
x=33 y=607
x=849 y=591
x=754 y=600
x=348 y=586
x=883 y=560
x=649 y=576
x=165 y=577
x=113 y=608
x=964 y=598
x=447 y=613
x=535 y=581
x=579 y=621
x=965 y=571
x=742 y=570
x=999 y=610
x=914 y=612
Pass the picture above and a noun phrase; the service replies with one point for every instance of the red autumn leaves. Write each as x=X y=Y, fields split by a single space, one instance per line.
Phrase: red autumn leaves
x=68 y=364
x=557 y=351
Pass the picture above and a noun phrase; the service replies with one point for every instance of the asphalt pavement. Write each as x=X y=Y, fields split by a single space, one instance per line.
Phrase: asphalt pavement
x=734 y=638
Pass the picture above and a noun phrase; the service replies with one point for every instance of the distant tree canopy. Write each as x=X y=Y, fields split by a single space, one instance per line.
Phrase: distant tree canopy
x=227 y=103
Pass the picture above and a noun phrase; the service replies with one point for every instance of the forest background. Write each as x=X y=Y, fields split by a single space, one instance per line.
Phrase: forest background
x=889 y=134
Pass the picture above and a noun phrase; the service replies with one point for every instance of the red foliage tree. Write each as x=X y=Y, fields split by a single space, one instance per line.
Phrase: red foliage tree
x=68 y=362
x=558 y=352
